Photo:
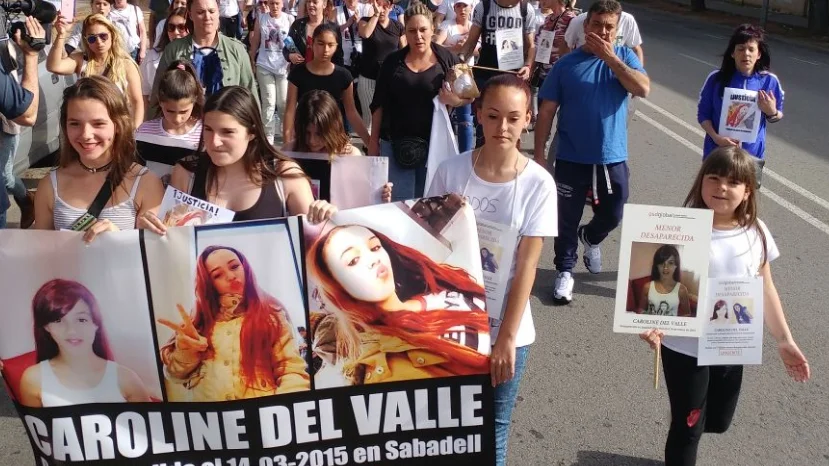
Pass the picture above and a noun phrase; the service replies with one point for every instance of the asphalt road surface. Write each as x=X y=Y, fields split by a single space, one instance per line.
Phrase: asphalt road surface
x=587 y=396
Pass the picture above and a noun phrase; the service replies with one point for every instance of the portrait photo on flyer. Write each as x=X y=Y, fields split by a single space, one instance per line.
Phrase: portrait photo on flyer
x=236 y=328
x=663 y=269
x=732 y=323
x=388 y=303
x=73 y=334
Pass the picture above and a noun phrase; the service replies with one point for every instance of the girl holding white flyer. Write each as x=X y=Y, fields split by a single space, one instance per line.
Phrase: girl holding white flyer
x=704 y=398
x=514 y=199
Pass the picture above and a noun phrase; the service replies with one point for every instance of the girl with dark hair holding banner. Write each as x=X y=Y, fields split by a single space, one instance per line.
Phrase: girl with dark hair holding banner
x=74 y=361
x=97 y=147
x=663 y=294
x=526 y=197
x=239 y=169
x=319 y=116
x=400 y=315
x=239 y=342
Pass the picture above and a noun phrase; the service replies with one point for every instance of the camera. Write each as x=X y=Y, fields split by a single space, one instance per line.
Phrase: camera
x=13 y=12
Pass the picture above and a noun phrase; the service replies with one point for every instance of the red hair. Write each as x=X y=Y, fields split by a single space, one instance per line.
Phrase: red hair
x=51 y=303
x=424 y=329
x=261 y=326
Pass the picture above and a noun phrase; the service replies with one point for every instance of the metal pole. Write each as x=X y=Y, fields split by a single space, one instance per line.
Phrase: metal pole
x=764 y=19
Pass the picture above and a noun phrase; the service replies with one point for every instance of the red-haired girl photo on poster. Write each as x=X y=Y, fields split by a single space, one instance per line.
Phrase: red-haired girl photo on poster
x=388 y=303
x=235 y=331
x=77 y=339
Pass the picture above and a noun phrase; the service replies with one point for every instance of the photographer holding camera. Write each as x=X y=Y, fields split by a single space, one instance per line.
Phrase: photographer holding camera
x=18 y=104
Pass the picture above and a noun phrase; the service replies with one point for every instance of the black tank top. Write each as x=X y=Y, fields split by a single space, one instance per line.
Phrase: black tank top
x=269 y=204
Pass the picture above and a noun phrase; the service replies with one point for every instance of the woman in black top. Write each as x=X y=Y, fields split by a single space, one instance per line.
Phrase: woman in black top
x=239 y=170
x=381 y=36
x=321 y=74
x=302 y=31
x=401 y=120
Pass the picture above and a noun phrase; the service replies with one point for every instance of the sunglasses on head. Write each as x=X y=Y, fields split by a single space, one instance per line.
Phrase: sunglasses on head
x=176 y=27
x=92 y=38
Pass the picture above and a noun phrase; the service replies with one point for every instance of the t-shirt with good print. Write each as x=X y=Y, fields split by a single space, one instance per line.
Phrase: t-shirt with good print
x=499 y=18
x=127 y=22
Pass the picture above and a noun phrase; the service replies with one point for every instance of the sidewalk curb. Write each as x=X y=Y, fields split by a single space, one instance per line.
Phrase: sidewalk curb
x=805 y=43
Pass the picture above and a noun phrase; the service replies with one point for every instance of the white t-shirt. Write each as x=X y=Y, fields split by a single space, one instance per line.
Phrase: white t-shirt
x=627 y=33
x=363 y=10
x=272 y=33
x=159 y=30
x=535 y=213
x=453 y=36
x=127 y=22
x=148 y=68
x=734 y=253
x=228 y=8
x=447 y=8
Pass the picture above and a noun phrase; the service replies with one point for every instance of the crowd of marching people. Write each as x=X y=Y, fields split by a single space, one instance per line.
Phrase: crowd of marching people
x=211 y=95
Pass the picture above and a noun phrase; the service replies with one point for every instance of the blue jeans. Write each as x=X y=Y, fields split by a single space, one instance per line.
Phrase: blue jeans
x=408 y=182
x=505 y=395
x=464 y=127
x=8 y=146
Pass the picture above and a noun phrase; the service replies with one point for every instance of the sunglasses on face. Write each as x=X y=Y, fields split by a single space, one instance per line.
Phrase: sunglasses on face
x=92 y=38
x=176 y=27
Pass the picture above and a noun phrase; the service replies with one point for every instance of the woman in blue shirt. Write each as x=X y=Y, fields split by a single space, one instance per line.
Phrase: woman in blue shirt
x=745 y=65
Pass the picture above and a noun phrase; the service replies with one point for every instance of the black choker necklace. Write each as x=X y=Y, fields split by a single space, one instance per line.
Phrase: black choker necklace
x=95 y=170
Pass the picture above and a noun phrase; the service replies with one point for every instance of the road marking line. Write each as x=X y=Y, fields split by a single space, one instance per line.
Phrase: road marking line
x=805 y=216
x=806 y=61
x=766 y=171
x=699 y=61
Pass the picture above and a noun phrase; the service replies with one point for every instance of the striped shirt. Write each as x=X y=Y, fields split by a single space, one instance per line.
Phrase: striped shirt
x=161 y=150
x=121 y=215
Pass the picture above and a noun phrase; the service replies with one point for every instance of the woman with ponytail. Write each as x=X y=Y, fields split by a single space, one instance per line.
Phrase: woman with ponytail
x=400 y=316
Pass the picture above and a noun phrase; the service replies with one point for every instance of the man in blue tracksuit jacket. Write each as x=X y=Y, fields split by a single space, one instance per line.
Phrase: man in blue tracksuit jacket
x=589 y=88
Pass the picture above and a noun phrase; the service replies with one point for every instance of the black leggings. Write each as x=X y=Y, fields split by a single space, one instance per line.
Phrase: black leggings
x=703 y=399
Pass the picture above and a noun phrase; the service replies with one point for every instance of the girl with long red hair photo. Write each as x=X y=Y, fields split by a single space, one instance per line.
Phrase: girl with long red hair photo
x=400 y=315
x=74 y=360
x=239 y=341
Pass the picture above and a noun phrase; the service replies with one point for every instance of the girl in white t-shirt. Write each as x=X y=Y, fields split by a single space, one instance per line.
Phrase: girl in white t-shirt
x=704 y=398
x=507 y=188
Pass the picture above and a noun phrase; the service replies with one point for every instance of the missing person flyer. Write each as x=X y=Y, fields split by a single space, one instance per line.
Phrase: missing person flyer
x=180 y=209
x=497 y=243
x=740 y=115
x=732 y=323
x=663 y=269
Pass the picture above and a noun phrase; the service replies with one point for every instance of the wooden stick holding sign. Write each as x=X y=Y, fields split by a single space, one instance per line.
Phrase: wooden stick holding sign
x=493 y=69
x=657 y=356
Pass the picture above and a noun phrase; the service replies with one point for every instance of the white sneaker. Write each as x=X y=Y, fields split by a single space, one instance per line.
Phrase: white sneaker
x=592 y=254
x=564 y=288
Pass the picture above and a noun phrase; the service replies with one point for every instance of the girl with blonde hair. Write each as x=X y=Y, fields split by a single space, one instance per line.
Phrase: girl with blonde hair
x=101 y=53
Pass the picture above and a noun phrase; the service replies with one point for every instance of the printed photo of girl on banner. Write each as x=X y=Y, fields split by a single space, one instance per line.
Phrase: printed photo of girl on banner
x=389 y=303
x=77 y=343
x=240 y=337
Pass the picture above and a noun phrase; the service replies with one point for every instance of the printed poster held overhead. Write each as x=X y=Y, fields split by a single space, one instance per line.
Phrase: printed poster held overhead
x=663 y=269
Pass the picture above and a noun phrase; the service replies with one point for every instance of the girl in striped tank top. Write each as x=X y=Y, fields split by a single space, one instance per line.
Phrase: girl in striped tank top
x=174 y=135
x=97 y=146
